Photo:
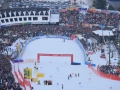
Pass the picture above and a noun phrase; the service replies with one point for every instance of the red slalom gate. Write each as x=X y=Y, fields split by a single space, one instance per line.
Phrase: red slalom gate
x=55 y=55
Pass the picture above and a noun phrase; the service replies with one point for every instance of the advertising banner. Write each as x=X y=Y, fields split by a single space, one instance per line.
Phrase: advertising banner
x=27 y=73
x=35 y=80
x=40 y=75
x=18 y=47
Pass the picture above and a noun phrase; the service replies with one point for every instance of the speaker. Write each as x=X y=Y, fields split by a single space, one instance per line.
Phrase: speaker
x=102 y=50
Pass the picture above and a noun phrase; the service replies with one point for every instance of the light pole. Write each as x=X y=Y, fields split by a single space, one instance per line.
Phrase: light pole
x=102 y=27
x=109 y=49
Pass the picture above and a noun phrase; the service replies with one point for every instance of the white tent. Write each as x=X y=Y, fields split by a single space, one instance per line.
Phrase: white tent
x=89 y=41
x=54 y=18
x=79 y=36
x=114 y=29
x=104 y=32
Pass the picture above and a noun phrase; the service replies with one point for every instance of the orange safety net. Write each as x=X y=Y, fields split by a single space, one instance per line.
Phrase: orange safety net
x=101 y=74
x=109 y=76
x=19 y=81
x=24 y=80
x=91 y=67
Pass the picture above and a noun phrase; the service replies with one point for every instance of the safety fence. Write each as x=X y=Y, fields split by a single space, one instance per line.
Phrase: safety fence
x=55 y=36
x=101 y=74
x=84 y=52
x=81 y=47
x=109 y=76
x=40 y=37
x=22 y=82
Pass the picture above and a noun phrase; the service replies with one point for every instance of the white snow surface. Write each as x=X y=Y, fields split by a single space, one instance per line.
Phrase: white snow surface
x=58 y=72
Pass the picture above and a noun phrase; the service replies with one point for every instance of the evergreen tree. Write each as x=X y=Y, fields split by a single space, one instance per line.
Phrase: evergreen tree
x=111 y=7
x=99 y=4
x=119 y=9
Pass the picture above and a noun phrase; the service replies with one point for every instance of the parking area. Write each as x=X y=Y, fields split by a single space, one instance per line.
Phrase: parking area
x=54 y=6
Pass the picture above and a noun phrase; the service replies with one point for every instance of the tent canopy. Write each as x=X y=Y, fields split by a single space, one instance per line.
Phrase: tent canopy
x=104 y=32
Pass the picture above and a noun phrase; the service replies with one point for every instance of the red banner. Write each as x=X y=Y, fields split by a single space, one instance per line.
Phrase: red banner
x=25 y=82
x=19 y=81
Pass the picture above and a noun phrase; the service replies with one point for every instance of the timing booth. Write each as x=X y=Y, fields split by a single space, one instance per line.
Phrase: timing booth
x=27 y=15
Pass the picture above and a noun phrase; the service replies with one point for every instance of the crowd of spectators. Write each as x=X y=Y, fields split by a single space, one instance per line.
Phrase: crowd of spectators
x=110 y=69
x=7 y=80
x=71 y=18
x=109 y=19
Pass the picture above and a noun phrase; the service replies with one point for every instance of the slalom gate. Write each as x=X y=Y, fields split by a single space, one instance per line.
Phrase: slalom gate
x=58 y=55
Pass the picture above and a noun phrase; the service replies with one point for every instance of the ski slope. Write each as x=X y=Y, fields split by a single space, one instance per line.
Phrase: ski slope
x=53 y=46
x=57 y=69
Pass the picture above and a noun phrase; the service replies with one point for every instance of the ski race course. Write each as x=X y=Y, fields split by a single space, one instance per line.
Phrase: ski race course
x=53 y=59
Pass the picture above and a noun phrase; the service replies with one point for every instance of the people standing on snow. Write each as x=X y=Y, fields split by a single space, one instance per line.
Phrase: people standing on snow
x=78 y=74
x=62 y=86
x=32 y=88
x=75 y=75
x=46 y=82
x=63 y=40
x=38 y=82
x=68 y=77
x=57 y=84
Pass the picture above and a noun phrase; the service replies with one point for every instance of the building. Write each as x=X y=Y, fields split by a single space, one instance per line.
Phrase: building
x=18 y=16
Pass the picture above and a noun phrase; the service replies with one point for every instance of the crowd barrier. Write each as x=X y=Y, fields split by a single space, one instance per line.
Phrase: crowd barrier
x=19 y=80
x=81 y=47
x=87 y=63
x=22 y=82
x=39 y=37
x=109 y=76
x=84 y=52
x=55 y=36
x=101 y=74
x=16 y=61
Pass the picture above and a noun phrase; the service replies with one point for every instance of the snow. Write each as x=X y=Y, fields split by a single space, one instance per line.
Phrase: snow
x=58 y=70
x=52 y=46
